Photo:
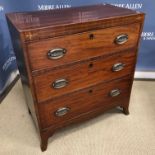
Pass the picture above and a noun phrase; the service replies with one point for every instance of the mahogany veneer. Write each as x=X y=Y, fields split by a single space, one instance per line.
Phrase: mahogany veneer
x=75 y=63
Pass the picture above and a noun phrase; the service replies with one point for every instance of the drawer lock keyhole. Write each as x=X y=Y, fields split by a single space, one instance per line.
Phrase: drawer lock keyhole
x=91 y=36
x=91 y=65
x=90 y=91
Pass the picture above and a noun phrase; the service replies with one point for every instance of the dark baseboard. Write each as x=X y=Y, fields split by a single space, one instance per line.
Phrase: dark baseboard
x=143 y=79
x=4 y=94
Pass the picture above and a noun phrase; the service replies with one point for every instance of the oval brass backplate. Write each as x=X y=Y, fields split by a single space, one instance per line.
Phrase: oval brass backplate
x=60 y=83
x=118 y=67
x=56 y=53
x=115 y=92
x=121 y=39
x=62 y=111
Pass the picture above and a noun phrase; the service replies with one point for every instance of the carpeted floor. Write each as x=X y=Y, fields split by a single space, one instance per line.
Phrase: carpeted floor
x=112 y=133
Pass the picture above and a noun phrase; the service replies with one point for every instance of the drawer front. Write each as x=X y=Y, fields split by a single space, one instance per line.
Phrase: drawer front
x=75 y=104
x=72 y=48
x=74 y=77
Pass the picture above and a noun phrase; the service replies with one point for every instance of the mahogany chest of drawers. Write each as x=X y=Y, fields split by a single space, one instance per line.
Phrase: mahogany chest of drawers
x=75 y=63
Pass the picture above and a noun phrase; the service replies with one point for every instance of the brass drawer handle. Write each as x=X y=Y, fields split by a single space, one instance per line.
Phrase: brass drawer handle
x=115 y=92
x=118 y=67
x=56 y=53
x=60 y=83
x=121 y=39
x=62 y=111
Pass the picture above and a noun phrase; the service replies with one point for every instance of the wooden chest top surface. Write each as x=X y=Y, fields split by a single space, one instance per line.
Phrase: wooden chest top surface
x=25 y=21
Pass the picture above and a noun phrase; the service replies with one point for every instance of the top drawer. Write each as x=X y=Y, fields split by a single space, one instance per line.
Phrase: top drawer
x=72 y=48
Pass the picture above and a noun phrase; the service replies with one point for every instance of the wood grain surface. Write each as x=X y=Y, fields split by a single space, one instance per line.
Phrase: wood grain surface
x=84 y=101
x=81 y=47
x=52 y=18
x=83 y=74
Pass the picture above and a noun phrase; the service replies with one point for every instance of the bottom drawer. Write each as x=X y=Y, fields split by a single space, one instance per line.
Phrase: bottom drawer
x=103 y=95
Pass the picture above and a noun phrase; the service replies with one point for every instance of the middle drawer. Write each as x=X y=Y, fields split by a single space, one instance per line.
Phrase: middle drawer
x=67 y=79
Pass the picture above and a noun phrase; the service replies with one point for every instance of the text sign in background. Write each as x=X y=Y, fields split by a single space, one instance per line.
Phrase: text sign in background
x=7 y=59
